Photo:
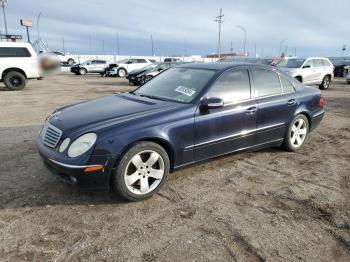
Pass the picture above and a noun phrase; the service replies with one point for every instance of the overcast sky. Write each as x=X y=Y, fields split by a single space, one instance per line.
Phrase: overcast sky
x=312 y=27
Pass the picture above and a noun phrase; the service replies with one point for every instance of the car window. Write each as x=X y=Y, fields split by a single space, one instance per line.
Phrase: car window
x=287 y=87
x=309 y=63
x=266 y=83
x=14 y=52
x=318 y=63
x=100 y=62
x=232 y=86
x=326 y=62
x=141 y=61
x=58 y=53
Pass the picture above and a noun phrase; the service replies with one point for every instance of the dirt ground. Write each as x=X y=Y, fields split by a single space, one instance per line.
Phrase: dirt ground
x=268 y=205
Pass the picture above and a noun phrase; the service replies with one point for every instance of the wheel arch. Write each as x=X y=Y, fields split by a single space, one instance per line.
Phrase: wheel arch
x=306 y=114
x=11 y=69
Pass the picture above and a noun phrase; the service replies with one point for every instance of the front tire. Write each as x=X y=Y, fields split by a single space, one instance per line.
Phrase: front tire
x=325 y=83
x=141 y=172
x=122 y=72
x=82 y=71
x=296 y=134
x=15 y=81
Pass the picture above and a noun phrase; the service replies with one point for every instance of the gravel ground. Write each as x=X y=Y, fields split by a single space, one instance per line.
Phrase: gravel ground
x=268 y=205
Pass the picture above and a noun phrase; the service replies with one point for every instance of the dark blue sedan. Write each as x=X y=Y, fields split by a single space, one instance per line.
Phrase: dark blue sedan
x=130 y=142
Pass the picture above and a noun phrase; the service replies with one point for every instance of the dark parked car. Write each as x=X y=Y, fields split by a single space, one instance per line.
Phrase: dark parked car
x=339 y=67
x=147 y=75
x=130 y=142
x=135 y=76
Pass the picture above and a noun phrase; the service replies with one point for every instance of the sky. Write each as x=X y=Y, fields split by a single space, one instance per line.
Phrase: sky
x=309 y=27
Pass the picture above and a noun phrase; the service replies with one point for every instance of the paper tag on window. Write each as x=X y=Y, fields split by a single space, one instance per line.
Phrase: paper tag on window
x=186 y=91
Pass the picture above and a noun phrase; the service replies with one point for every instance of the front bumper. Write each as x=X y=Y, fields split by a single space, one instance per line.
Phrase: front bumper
x=77 y=174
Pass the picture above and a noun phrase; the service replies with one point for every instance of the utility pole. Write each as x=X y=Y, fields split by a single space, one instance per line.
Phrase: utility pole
x=89 y=45
x=245 y=38
x=231 y=49
x=3 y=2
x=64 y=49
x=37 y=25
x=219 y=20
x=281 y=43
x=152 y=46
x=117 y=44
x=255 y=50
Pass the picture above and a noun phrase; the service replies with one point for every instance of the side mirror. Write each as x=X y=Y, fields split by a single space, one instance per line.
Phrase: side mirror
x=212 y=103
x=306 y=66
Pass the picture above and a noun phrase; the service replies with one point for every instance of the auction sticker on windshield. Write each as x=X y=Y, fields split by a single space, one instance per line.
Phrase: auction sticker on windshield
x=186 y=91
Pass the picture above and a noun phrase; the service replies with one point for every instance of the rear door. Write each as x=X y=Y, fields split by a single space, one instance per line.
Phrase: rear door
x=231 y=127
x=277 y=104
x=319 y=70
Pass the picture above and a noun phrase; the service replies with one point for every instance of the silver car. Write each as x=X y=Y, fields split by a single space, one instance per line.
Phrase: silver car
x=310 y=71
x=90 y=66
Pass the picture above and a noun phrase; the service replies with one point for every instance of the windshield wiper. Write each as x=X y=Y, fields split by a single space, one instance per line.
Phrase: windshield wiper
x=152 y=97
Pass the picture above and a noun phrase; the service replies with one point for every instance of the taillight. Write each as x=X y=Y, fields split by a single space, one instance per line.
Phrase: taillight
x=322 y=102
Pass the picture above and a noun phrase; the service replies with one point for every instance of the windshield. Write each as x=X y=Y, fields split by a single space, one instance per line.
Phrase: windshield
x=148 y=67
x=291 y=63
x=177 y=84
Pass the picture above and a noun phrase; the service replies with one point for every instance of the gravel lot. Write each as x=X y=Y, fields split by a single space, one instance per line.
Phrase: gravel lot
x=268 y=205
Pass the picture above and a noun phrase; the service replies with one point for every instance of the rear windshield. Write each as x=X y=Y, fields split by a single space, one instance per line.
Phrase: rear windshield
x=14 y=52
x=291 y=63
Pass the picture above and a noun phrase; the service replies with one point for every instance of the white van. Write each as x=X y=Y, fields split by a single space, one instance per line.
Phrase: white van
x=18 y=63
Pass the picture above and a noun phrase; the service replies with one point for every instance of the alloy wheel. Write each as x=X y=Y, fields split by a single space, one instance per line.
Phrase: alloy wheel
x=298 y=133
x=144 y=172
x=15 y=81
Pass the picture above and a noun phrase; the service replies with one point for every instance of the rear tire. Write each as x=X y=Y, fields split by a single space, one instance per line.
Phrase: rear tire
x=141 y=172
x=325 y=83
x=70 y=62
x=15 y=81
x=297 y=133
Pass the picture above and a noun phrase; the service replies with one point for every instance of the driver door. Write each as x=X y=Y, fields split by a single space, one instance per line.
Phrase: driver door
x=231 y=127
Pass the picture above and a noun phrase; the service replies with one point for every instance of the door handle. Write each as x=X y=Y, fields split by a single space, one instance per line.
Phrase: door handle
x=251 y=110
x=291 y=102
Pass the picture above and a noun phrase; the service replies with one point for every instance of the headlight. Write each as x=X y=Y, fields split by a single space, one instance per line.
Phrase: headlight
x=82 y=144
x=64 y=145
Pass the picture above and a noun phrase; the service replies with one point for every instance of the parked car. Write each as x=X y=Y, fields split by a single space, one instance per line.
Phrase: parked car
x=309 y=71
x=135 y=76
x=149 y=74
x=347 y=74
x=65 y=59
x=128 y=65
x=194 y=112
x=172 y=60
x=18 y=63
x=90 y=66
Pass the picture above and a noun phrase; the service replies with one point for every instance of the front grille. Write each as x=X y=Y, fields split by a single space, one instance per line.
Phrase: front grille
x=50 y=135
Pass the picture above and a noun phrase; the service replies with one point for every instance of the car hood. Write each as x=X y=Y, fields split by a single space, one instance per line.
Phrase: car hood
x=103 y=112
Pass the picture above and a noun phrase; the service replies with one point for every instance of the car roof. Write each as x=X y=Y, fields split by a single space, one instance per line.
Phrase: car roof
x=221 y=66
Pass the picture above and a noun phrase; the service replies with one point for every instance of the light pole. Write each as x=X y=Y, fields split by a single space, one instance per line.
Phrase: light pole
x=37 y=24
x=152 y=46
x=281 y=43
x=3 y=2
x=245 y=38
x=117 y=44
x=219 y=20
x=64 y=49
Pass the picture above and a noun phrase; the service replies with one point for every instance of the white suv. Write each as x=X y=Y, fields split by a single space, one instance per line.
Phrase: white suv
x=18 y=62
x=128 y=65
x=311 y=71
x=65 y=59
